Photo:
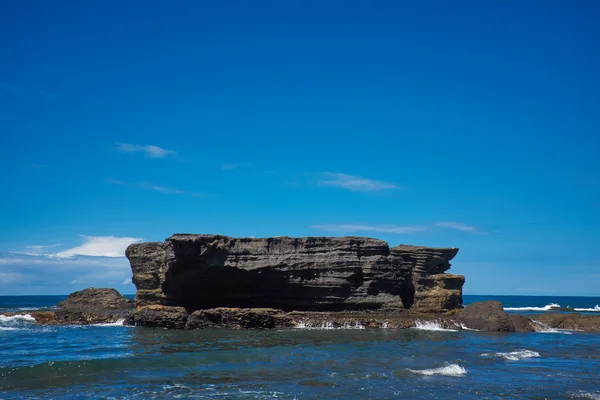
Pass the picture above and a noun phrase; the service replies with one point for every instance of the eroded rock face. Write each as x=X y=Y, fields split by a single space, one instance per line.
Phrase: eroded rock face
x=432 y=289
x=310 y=274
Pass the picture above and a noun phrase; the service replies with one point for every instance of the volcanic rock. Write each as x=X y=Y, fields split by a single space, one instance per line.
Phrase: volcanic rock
x=157 y=316
x=307 y=274
x=486 y=316
x=97 y=298
x=238 y=318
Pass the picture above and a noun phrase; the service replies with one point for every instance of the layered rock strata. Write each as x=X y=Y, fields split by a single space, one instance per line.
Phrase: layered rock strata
x=305 y=274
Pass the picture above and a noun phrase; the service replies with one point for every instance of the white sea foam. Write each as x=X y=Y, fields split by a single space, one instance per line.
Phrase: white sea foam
x=465 y=328
x=8 y=328
x=595 y=309
x=448 y=370
x=328 y=325
x=4 y=319
x=587 y=395
x=119 y=322
x=547 y=307
x=543 y=328
x=514 y=355
x=431 y=326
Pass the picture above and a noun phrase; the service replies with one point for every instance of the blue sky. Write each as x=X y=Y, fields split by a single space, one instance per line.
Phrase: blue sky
x=459 y=124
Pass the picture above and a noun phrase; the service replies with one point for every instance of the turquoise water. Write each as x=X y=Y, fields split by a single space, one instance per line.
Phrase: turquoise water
x=117 y=362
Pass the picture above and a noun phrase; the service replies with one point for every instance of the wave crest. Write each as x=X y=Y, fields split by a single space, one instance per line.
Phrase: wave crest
x=432 y=326
x=514 y=355
x=448 y=370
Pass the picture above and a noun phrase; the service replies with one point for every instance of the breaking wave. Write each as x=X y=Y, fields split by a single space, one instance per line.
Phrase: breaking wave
x=543 y=328
x=328 y=325
x=595 y=309
x=7 y=319
x=448 y=370
x=431 y=326
x=547 y=307
x=119 y=322
x=552 y=307
x=514 y=355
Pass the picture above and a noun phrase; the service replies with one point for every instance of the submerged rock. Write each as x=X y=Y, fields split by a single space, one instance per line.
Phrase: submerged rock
x=574 y=321
x=486 y=316
x=305 y=274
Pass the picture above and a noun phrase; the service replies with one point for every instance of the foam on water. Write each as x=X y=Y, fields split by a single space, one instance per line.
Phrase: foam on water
x=431 y=326
x=16 y=318
x=448 y=370
x=543 y=328
x=119 y=322
x=547 y=307
x=328 y=325
x=9 y=328
x=595 y=309
x=514 y=355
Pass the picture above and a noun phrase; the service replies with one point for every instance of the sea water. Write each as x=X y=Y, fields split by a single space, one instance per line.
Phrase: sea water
x=112 y=361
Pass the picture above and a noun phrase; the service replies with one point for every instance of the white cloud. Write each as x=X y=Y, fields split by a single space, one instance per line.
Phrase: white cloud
x=149 y=150
x=100 y=246
x=371 y=228
x=355 y=183
x=458 y=226
x=126 y=281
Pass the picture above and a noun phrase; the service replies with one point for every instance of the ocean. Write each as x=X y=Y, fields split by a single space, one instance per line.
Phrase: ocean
x=113 y=361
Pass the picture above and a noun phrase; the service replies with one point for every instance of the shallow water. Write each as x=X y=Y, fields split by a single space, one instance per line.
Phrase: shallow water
x=118 y=362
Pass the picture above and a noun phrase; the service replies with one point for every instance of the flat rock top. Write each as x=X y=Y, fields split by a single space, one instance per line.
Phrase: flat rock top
x=97 y=298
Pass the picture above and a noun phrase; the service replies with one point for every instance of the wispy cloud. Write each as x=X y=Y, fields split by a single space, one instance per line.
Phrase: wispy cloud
x=11 y=277
x=126 y=281
x=114 y=181
x=167 y=190
x=370 y=228
x=354 y=183
x=36 y=250
x=397 y=229
x=100 y=246
x=39 y=166
x=458 y=226
x=149 y=150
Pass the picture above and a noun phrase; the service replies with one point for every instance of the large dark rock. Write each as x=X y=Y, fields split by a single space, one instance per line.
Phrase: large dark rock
x=522 y=323
x=311 y=274
x=238 y=318
x=97 y=298
x=156 y=316
x=93 y=306
x=486 y=316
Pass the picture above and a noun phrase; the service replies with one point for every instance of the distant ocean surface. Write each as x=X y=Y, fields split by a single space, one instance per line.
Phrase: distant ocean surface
x=116 y=362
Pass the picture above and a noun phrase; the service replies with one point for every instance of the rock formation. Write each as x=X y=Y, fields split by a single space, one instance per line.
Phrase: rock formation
x=199 y=272
x=99 y=298
x=486 y=316
x=93 y=306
